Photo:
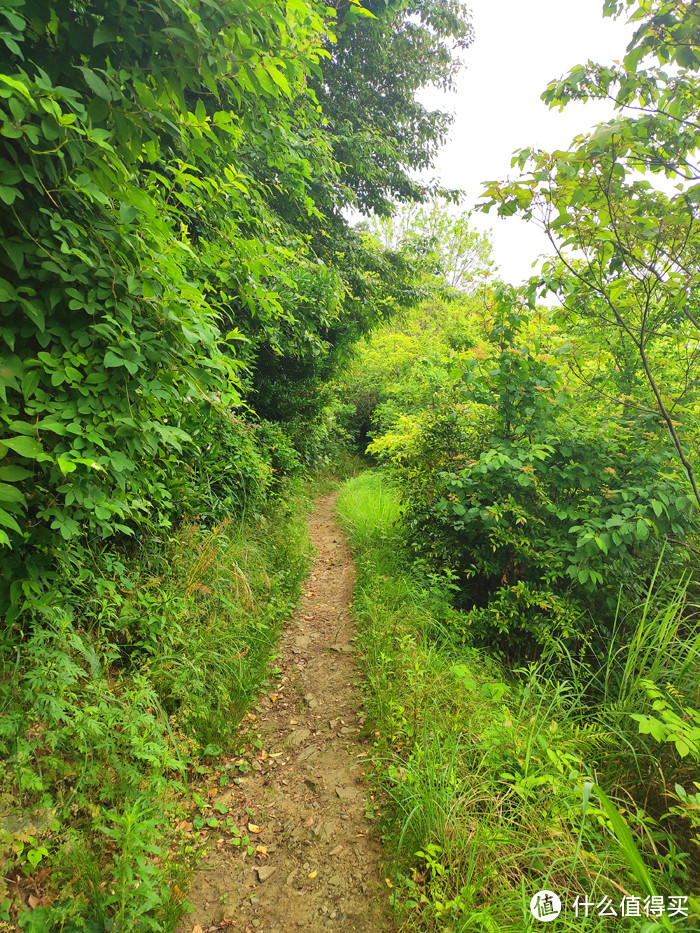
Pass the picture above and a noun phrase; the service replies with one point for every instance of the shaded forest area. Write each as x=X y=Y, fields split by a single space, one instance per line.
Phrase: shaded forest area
x=192 y=328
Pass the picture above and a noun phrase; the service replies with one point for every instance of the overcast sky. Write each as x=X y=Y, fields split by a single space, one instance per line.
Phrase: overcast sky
x=519 y=46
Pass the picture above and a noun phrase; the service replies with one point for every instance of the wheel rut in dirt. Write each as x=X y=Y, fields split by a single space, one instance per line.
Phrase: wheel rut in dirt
x=316 y=865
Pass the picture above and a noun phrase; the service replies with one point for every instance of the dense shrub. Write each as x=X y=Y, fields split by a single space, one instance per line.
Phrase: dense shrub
x=536 y=506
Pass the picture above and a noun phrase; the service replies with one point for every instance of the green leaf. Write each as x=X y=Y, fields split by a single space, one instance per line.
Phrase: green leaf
x=686 y=57
x=95 y=83
x=65 y=465
x=24 y=446
x=8 y=521
x=7 y=194
x=630 y=851
x=12 y=45
x=279 y=79
x=190 y=336
x=657 y=507
x=22 y=427
x=104 y=33
x=16 y=255
x=13 y=474
x=603 y=134
x=128 y=213
x=10 y=493
x=16 y=86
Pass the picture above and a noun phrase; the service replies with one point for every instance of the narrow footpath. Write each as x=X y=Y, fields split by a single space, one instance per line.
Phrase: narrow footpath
x=303 y=805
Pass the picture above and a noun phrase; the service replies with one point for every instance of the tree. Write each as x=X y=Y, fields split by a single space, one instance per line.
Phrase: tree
x=380 y=131
x=628 y=247
x=173 y=252
x=141 y=261
x=439 y=240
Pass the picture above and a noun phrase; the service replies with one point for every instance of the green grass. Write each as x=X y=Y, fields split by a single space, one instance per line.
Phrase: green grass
x=118 y=709
x=488 y=772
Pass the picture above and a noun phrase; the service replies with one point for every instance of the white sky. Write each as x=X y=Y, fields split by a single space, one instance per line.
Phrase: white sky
x=519 y=46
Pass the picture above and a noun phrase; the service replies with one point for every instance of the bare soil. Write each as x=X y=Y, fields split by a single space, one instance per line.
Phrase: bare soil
x=317 y=861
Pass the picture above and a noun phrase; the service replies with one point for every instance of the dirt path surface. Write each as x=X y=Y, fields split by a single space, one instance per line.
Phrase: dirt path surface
x=316 y=865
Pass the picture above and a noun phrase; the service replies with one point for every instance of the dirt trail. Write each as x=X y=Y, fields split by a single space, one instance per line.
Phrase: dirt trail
x=318 y=868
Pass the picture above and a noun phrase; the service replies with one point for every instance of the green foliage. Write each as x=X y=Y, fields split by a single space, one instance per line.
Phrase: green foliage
x=537 y=512
x=489 y=772
x=543 y=463
x=677 y=723
x=130 y=254
x=107 y=716
x=440 y=241
x=164 y=263
x=399 y=371
x=368 y=90
x=626 y=245
x=177 y=283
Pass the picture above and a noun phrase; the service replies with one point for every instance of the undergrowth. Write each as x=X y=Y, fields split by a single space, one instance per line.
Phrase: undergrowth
x=506 y=782
x=114 y=709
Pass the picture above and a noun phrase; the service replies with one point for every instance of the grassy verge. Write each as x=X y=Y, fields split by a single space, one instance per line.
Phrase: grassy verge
x=115 y=710
x=492 y=774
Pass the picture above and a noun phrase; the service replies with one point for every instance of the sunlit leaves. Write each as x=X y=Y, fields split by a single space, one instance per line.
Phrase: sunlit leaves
x=130 y=199
x=627 y=246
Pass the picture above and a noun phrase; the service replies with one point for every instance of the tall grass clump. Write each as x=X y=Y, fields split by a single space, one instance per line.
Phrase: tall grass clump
x=502 y=782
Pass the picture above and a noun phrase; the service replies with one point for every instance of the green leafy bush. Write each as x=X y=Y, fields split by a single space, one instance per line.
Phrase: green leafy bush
x=111 y=705
x=539 y=512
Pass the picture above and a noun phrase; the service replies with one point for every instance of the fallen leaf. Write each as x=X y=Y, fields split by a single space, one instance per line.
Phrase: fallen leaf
x=261 y=850
x=197 y=929
x=33 y=901
x=253 y=828
x=313 y=874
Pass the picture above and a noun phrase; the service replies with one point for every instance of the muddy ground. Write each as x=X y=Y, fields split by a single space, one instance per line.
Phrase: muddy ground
x=304 y=805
